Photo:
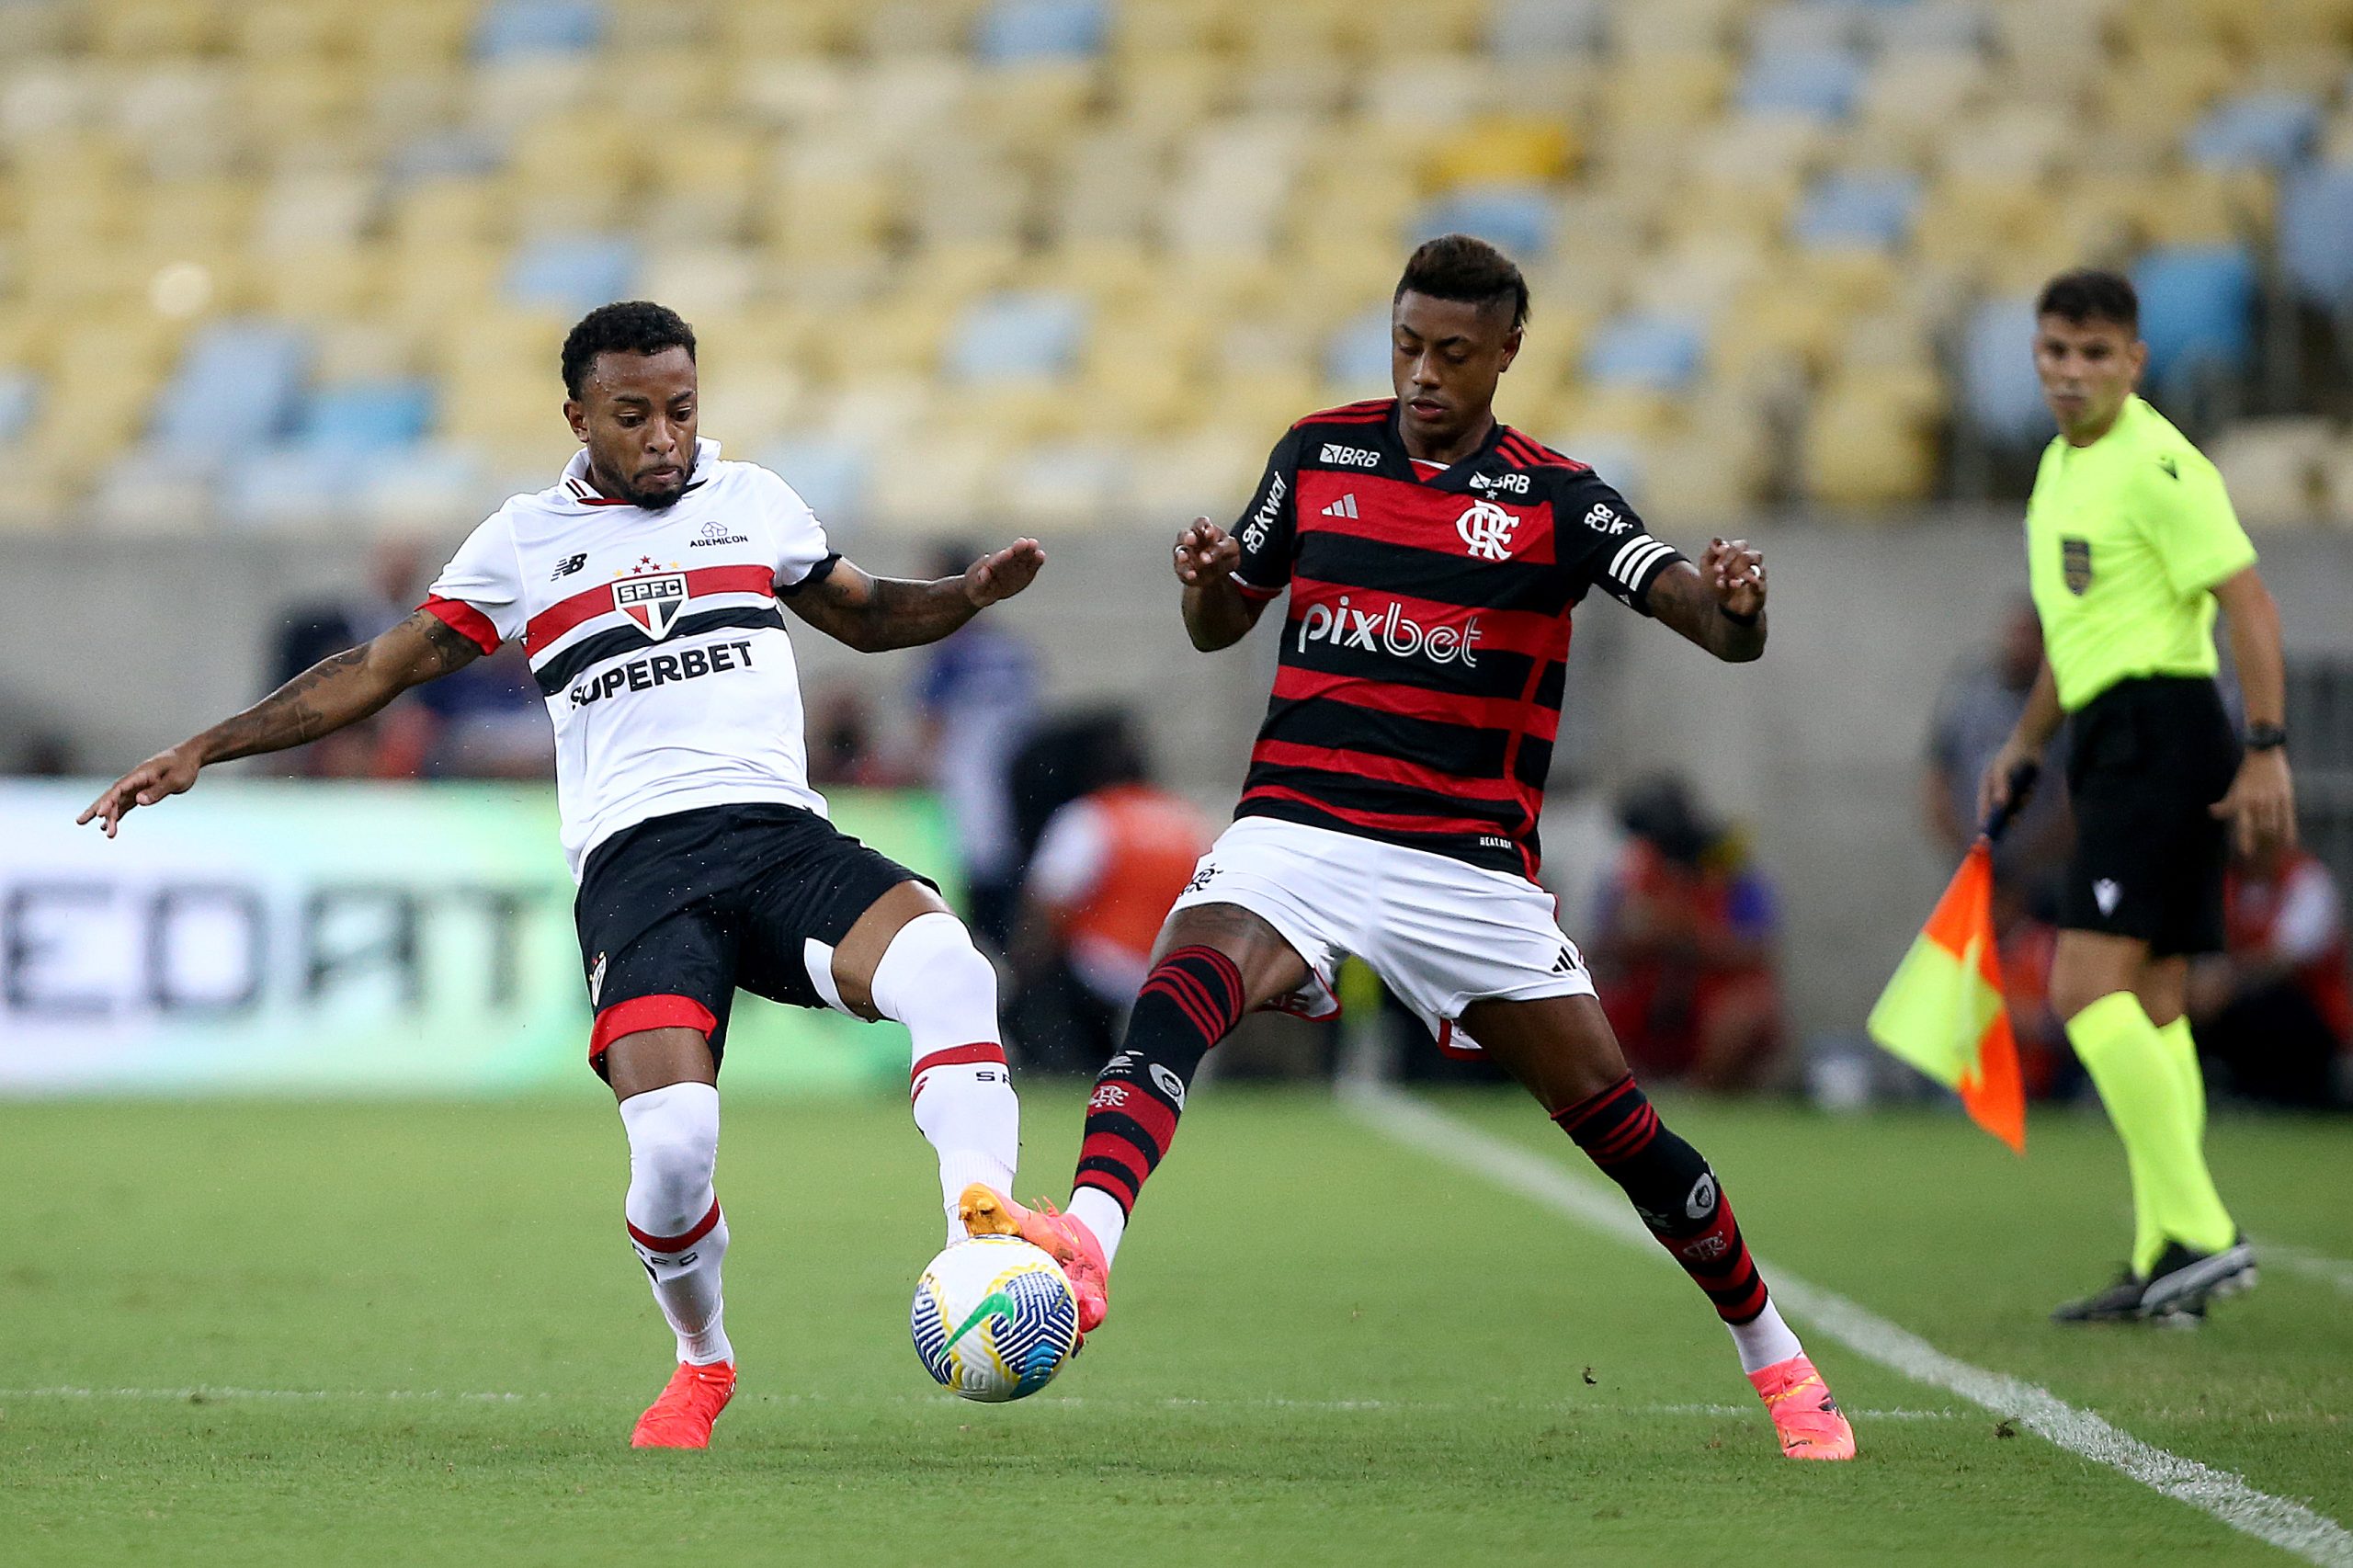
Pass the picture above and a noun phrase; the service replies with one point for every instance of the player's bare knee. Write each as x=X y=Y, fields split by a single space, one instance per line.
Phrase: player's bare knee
x=647 y=1060
x=872 y=936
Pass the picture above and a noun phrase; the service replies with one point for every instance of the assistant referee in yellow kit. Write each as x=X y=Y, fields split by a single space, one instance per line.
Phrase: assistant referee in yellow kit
x=2132 y=546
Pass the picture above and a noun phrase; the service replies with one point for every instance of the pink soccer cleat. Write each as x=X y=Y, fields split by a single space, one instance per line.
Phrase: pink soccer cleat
x=681 y=1419
x=985 y=1211
x=1806 y=1417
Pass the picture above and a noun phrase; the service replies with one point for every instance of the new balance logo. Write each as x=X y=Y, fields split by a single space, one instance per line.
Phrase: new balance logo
x=1346 y=506
x=567 y=566
x=2106 y=892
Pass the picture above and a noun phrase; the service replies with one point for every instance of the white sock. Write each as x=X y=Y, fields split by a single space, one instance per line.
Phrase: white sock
x=1100 y=1212
x=1764 y=1339
x=675 y=1222
x=934 y=981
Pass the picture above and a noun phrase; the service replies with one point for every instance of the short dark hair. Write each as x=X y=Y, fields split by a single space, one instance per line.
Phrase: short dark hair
x=1463 y=267
x=2090 y=294
x=626 y=327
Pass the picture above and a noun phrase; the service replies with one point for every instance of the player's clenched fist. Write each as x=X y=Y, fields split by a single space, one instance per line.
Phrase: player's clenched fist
x=1737 y=574
x=1206 y=553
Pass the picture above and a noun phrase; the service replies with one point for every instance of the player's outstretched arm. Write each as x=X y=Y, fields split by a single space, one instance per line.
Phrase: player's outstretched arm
x=339 y=690
x=875 y=614
x=1719 y=603
x=1217 y=614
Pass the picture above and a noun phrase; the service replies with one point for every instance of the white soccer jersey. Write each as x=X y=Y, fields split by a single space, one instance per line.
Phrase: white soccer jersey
x=654 y=636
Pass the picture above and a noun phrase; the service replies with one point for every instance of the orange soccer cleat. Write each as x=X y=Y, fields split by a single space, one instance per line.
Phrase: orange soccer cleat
x=1806 y=1417
x=985 y=1211
x=681 y=1419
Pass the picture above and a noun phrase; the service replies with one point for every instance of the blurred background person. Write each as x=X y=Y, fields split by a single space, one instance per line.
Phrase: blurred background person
x=1684 y=945
x=2273 y=1013
x=978 y=694
x=846 y=745
x=1107 y=866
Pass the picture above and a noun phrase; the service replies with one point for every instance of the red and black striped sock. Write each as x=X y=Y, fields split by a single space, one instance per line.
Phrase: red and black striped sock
x=1673 y=1190
x=1190 y=1003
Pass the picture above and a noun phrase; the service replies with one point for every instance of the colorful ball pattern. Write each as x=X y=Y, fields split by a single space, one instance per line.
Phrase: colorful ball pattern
x=993 y=1319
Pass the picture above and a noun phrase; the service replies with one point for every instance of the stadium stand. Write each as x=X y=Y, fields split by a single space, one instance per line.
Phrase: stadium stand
x=1104 y=251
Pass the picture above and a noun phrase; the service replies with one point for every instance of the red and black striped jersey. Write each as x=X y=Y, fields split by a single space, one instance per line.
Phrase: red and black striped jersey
x=1418 y=692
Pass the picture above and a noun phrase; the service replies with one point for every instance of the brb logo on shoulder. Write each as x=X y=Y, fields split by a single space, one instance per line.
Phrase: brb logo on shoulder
x=652 y=602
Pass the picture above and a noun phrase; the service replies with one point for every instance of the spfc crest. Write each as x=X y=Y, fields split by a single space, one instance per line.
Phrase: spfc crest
x=2075 y=564
x=652 y=602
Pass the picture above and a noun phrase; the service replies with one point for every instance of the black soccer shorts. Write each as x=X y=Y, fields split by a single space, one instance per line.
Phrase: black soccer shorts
x=2147 y=759
x=676 y=912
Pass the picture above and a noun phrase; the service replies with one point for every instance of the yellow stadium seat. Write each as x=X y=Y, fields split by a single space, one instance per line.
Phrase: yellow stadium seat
x=294 y=30
x=760 y=28
x=423 y=287
x=415 y=32
x=446 y=210
x=1777 y=324
x=1162 y=94
x=1697 y=481
x=158 y=27
x=1502 y=147
x=1416 y=30
x=1862 y=449
x=1653 y=93
x=2158 y=92
x=1207 y=472
x=1165 y=28
x=1673 y=27
x=320 y=282
x=2274 y=468
x=942 y=492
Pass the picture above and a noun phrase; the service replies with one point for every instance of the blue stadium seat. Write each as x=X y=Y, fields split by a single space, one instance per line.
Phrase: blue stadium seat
x=1959 y=27
x=830 y=476
x=570 y=273
x=1858 y=208
x=1355 y=356
x=1522 y=27
x=1999 y=390
x=288 y=487
x=2257 y=130
x=1015 y=334
x=238 y=380
x=20 y=399
x=367 y=415
x=1820 y=84
x=2315 y=233
x=2197 y=309
x=1807 y=26
x=1518 y=219
x=1657 y=352
x=511 y=27
x=1015 y=31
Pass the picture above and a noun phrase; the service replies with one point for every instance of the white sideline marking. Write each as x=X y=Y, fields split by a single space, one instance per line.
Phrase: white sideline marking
x=2290 y=1525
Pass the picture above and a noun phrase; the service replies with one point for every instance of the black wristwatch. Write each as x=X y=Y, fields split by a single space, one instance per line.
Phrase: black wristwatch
x=2266 y=737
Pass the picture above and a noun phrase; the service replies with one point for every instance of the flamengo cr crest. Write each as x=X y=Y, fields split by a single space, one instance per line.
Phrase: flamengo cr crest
x=1486 y=530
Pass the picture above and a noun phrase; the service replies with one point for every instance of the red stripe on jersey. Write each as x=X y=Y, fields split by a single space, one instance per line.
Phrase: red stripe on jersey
x=1542 y=456
x=1388 y=771
x=1538 y=637
x=1295 y=685
x=465 y=621
x=1384 y=822
x=589 y=603
x=1369 y=412
x=1249 y=590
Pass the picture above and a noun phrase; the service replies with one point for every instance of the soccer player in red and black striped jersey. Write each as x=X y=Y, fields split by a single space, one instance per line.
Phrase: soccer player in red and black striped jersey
x=1432 y=557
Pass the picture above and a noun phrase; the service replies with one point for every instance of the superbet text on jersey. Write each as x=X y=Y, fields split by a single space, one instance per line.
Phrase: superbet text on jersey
x=1418 y=694
x=654 y=636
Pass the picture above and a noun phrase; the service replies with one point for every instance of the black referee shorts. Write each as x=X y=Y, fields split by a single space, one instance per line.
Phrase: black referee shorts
x=676 y=912
x=2147 y=758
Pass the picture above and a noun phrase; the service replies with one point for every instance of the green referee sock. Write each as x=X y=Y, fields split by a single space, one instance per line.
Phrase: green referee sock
x=2182 y=1050
x=2140 y=1082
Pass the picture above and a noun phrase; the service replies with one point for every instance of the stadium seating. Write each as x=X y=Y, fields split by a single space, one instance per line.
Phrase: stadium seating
x=1149 y=228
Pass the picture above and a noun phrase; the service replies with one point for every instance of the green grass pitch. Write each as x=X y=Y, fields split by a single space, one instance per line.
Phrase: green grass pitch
x=257 y=1333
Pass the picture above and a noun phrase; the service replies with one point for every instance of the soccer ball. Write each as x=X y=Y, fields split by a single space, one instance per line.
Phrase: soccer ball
x=993 y=1318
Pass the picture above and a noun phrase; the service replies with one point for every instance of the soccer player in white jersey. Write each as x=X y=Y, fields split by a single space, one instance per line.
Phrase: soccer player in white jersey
x=645 y=587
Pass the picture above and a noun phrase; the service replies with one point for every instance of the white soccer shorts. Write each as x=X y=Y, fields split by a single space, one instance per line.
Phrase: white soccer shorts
x=1441 y=934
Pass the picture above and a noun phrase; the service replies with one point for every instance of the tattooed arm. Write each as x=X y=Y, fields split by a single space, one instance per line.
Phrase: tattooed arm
x=1719 y=603
x=874 y=614
x=336 y=691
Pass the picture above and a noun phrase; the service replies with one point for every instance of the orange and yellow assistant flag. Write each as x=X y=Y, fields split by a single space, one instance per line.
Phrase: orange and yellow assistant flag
x=1943 y=1011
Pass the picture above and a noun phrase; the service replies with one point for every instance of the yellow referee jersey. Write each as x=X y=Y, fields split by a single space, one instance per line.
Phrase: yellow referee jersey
x=2124 y=538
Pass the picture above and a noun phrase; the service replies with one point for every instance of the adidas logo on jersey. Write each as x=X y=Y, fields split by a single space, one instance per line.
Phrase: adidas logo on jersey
x=1346 y=506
